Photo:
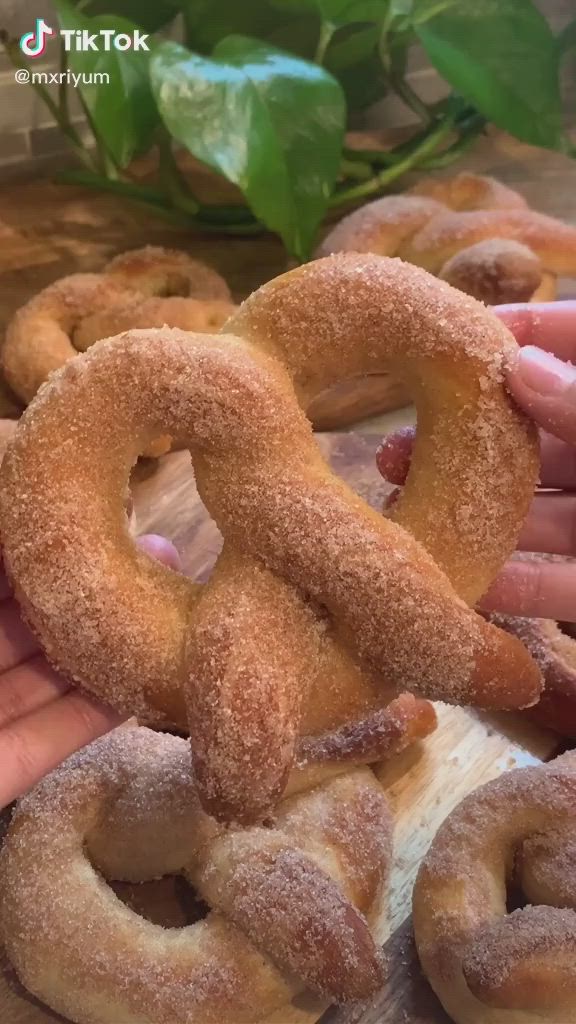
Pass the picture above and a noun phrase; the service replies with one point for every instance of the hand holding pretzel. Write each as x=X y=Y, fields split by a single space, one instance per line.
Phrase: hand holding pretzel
x=315 y=605
x=43 y=718
x=543 y=382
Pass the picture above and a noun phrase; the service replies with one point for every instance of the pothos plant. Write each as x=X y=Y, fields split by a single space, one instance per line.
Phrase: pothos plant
x=262 y=92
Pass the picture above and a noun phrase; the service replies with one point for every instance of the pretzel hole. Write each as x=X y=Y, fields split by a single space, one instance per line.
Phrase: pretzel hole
x=174 y=284
x=169 y=901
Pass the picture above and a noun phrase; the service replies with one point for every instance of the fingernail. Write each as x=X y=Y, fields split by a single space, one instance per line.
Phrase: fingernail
x=544 y=373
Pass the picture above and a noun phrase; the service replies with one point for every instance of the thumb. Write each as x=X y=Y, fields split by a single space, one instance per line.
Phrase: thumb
x=161 y=549
x=545 y=387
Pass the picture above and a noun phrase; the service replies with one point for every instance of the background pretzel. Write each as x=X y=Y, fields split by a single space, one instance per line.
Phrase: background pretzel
x=486 y=965
x=470 y=230
x=148 y=287
x=555 y=653
x=287 y=903
x=316 y=601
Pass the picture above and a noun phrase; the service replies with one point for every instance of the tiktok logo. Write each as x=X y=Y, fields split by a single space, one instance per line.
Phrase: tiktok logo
x=33 y=44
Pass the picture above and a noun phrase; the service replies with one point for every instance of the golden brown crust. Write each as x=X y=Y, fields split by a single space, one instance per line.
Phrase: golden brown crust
x=553 y=241
x=316 y=603
x=155 y=271
x=487 y=966
x=555 y=653
x=71 y=313
x=473 y=231
x=467 y=191
x=495 y=271
x=288 y=904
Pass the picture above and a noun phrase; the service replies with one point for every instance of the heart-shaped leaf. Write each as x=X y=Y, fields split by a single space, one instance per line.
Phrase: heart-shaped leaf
x=500 y=55
x=271 y=123
x=122 y=109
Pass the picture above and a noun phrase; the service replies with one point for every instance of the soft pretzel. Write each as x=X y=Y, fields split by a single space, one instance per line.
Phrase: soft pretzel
x=470 y=230
x=551 y=240
x=316 y=601
x=486 y=965
x=497 y=270
x=41 y=336
x=468 y=191
x=555 y=653
x=289 y=905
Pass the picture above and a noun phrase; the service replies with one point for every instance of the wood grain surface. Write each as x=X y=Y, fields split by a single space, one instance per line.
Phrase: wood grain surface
x=423 y=784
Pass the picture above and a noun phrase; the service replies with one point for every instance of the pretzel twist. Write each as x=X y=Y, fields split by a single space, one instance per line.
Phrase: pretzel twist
x=316 y=603
x=147 y=287
x=488 y=966
x=289 y=905
x=471 y=231
x=555 y=652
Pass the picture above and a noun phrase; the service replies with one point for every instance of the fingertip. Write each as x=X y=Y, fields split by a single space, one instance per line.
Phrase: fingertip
x=394 y=454
x=534 y=587
x=161 y=549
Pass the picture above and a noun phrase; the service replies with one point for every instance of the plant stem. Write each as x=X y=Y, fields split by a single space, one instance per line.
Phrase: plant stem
x=467 y=138
x=232 y=219
x=12 y=51
x=411 y=98
x=327 y=30
x=358 y=169
x=170 y=174
x=62 y=89
x=426 y=147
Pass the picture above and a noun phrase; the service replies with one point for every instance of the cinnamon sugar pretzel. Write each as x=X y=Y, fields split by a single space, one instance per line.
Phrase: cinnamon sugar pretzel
x=316 y=603
x=472 y=231
x=555 y=653
x=488 y=965
x=147 y=287
x=289 y=906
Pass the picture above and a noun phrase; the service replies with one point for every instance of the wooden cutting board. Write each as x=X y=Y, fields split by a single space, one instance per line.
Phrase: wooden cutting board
x=423 y=784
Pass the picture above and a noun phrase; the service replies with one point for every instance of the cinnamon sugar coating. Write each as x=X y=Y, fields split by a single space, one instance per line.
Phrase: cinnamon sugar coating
x=289 y=905
x=315 y=608
x=495 y=271
x=472 y=231
x=135 y=289
x=485 y=965
x=555 y=653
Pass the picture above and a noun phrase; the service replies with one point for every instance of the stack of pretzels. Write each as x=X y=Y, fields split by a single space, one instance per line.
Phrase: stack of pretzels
x=284 y=668
x=470 y=230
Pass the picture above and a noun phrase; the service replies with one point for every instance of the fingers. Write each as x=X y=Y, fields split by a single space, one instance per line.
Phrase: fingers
x=537 y=589
x=27 y=688
x=16 y=641
x=550 y=325
x=34 y=745
x=550 y=525
x=161 y=549
x=394 y=454
x=545 y=387
x=558 y=467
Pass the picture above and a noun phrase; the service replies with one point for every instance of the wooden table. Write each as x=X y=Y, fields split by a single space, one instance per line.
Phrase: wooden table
x=64 y=229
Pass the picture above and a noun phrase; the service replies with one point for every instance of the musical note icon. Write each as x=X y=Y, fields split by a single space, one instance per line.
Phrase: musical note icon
x=33 y=44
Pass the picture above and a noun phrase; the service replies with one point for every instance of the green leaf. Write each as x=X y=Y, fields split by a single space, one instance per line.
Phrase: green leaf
x=501 y=56
x=567 y=39
x=148 y=14
x=353 y=58
x=122 y=112
x=345 y=12
x=271 y=123
x=209 y=21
